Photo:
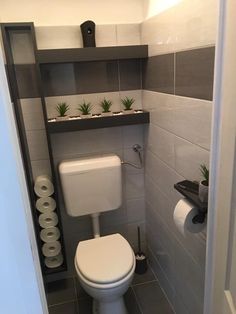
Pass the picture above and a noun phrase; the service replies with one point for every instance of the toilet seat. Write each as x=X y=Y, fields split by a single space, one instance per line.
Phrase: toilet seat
x=105 y=260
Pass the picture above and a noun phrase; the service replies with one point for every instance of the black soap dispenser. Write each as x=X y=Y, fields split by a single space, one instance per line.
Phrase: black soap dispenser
x=88 y=33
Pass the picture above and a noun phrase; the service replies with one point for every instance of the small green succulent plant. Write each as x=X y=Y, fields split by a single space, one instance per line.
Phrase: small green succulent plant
x=205 y=173
x=127 y=103
x=85 y=108
x=106 y=105
x=62 y=109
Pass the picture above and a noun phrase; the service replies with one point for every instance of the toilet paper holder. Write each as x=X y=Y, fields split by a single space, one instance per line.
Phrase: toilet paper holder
x=189 y=190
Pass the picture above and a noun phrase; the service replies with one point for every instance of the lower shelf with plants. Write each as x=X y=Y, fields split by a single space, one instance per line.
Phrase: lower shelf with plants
x=97 y=121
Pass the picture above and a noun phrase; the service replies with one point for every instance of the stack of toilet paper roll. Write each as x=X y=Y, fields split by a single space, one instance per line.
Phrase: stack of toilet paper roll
x=48 y=221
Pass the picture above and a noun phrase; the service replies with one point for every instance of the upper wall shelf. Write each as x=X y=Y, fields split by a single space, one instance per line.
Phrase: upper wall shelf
x=91 y=54
x=98 y=122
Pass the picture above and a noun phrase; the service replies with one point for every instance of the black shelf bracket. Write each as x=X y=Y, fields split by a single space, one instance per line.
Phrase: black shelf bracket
x=189 y=190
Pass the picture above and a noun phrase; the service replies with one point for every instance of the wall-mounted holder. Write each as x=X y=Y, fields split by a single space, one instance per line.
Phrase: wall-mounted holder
x=88 y=33
x=189 y=190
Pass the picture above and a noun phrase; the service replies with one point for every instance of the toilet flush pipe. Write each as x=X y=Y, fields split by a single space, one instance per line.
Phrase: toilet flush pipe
x=96 y=226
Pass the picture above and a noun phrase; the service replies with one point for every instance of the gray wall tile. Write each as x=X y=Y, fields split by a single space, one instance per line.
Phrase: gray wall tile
x=130 y=74
x=95 y=77
x=59 y=79
x=195 y=72
x=27 y=80
x=158 y=73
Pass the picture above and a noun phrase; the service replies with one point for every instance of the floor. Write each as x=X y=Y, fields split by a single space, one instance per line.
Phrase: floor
x=144 y=297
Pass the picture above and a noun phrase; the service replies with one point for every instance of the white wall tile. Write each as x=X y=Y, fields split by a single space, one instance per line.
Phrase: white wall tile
x=87 y=142
x=132 y=134
x=161 y=143
x=164 y=176
x=161 y=107
x=193 y=120
x=188 y=158
x=128 y=34
x=130 y=156
x=186 y=25
x=136 y=95
x=40 y=167
x=159 y=201
x=58 y=37
x=37 y=142
x=106 y=35
x=32 y=113
x=134 y=185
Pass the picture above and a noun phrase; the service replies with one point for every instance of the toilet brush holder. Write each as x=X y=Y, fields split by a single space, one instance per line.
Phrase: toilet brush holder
x=141 y=259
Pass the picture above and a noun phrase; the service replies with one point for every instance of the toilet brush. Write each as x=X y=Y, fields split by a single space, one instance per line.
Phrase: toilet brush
x=141 y=260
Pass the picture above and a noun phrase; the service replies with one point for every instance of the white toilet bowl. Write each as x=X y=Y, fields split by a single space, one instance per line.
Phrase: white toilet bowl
x=105 y=268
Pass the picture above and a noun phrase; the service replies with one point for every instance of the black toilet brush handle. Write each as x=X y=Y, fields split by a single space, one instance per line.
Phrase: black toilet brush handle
x=139 y=240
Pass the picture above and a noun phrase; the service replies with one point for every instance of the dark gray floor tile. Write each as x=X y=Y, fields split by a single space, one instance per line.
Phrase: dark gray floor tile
x=152 y=299
x=85 y=306
x=158 y=73
x=66 y=308
x=60 y=291
x=131 y=303
x=148 y=276
x=195 y=73
x=80 y=292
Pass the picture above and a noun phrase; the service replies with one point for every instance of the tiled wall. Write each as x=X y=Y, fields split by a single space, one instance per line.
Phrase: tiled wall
x=117 y=140
x=90 y=81
x=177 y=90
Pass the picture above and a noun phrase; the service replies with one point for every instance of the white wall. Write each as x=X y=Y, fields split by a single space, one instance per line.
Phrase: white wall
x=153 y=7
x=71 y=12
x=21 y=281
x=180 y=25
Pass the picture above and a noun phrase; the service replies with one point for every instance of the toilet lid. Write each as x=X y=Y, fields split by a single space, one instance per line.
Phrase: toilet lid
x=105 y=259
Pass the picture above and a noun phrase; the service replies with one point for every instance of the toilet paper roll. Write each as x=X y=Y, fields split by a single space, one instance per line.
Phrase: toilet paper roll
x=50 y=234
x=53 y=262
x=43 y=186
x=183 y=215
x=48 y=219
x=44 y=204
x=51 y=249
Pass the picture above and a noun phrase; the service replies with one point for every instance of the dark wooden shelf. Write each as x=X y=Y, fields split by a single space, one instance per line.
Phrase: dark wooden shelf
x=91 y=54
x=98 y=122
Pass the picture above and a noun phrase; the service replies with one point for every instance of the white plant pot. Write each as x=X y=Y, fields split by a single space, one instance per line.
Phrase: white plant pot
x=203 y=191
x=128 y=111
x=86 y=116
x=106 y=114
x=62 y=118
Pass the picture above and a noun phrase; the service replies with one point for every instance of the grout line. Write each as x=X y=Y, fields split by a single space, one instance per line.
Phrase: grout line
x=166 y=278
x=137 y=301
x=144 y=283
x=174 y=72
x=61 y=303
x=168 y=131
x=74 y=283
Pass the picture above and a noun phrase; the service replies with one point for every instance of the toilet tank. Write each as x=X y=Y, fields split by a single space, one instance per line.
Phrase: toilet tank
x=91 y=184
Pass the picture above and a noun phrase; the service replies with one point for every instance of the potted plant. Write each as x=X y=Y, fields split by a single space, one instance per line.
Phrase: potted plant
x=62 y=109
x=127 y=103
x=203 y=185
x=85 y=109
x=106 y=106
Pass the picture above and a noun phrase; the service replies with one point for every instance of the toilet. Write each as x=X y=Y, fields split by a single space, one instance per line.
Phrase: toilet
x=104 y=265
